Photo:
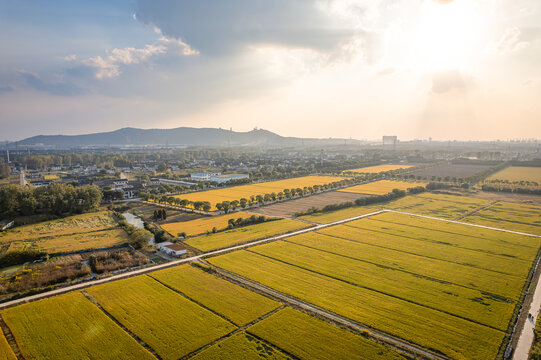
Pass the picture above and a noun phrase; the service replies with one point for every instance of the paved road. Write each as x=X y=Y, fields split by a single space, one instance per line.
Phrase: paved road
x=527 y=335
x=173 y=263
x=384 y=337
x=333 y=317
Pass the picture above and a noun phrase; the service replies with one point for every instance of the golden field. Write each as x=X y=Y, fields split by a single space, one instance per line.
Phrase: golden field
x=202 y=225
x=310 y=338
x=518 y=173
x=245 y=234
x=69 y=225
x=381 y=187
x=246 y=191
x=379 y=168
x=69 y=327
x=234 y=302
x=171 y=324
x=72 y=233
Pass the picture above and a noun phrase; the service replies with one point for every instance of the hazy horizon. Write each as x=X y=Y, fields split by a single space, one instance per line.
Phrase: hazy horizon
x=308 y=68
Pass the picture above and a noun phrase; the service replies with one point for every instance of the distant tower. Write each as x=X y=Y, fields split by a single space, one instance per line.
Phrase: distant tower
x=389 y=140
x=22 y=178
x=7 y=153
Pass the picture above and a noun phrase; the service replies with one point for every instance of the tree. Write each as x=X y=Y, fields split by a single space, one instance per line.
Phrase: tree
x=206 y=206
x=243 y=202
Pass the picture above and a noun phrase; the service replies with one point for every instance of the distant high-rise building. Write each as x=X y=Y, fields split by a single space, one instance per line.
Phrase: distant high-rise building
x=390 y=140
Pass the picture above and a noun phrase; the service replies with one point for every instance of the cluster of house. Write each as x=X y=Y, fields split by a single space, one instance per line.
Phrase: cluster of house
x=217 y=177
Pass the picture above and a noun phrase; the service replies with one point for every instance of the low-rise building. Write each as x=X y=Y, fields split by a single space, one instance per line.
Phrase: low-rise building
x=172 y=249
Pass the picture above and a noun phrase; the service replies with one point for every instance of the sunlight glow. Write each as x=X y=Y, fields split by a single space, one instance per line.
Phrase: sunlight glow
x=445 y=35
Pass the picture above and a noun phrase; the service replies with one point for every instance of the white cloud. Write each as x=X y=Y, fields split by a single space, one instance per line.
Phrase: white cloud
x=109 y=66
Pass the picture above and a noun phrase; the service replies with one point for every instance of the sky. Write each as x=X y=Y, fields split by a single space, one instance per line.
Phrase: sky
x=445 y=69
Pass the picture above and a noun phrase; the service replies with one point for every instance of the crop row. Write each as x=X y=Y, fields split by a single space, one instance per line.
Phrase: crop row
x=245 y=234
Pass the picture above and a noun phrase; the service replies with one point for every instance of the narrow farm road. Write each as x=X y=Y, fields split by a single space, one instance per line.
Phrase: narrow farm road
x=333 y=317
x=460 y=222
x=84 y=285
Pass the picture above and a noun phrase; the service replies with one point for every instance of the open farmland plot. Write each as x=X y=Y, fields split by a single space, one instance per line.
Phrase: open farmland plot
x=379 y=168
x=458 y=171
x=510 y=216
x=69 y=327
x=507 y=286
x=5 y=350
x=73 y=233
x=438 y=205
x=381 y=187
x=456 y=337
x=289 y=208
x=202 y=225
x=234 y=302
x=245 y=191
x=169 y=323
x=332 y=216
x=471 y=304
x=241 y=346
x=70 y=225
x=245 y=234
x=83 y=241
x=309 y=338
x=518 y=173
x=487 y=249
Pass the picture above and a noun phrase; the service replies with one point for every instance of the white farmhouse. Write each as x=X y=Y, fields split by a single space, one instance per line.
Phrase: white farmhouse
x=172 y=249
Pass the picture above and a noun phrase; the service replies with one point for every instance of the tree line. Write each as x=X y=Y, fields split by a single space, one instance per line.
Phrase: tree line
x=57 y=199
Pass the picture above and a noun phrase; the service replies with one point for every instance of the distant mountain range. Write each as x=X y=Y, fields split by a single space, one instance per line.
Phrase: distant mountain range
x=182 y=136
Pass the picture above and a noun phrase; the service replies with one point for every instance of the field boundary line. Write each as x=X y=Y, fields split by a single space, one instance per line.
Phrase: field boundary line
x=462 y=223
x=180 y=293
x=397 y=269
x=461 y=247
x=332 y=317
x=293 y=357
x=335 y=278
x=425 y=228
x=424 y=256
x=122 y=326
x=174 y=263
x=476 y=210
x=11 y=339
x=239 y=329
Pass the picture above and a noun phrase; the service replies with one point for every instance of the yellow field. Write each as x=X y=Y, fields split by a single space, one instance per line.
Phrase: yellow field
x=69 y=225
x=332 y=216
x=5 y=350
x=438 y=205
x=245 y=234
x=240 y=346
x=169 y=323
x=83 y=241
x=69 y=327
x=310 y=338
x=518 y=173
x=379 y=168
x=381 y=187
x=50 y=177
x=202 y=225
x=237 y=304
x=245 y=191
x=509 y=216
